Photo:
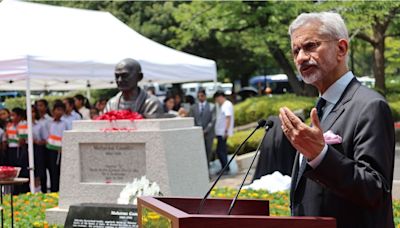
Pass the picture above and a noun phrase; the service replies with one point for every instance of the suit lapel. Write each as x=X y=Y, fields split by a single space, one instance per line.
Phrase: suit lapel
x=339 y=108
x=326 y=124
x=295 y=172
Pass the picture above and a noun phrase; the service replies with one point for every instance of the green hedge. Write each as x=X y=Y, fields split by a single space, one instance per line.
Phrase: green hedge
x=20 y=102
x=251 y=145
x=255 y=108
x=394 y=103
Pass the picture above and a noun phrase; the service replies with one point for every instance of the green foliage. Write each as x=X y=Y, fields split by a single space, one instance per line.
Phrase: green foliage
x=255 y=108
x=394 y=103
x=242 y=36
x=278 y=201
x=237 y=138
x=20 y=102
x=102 y=93
x=29 y=209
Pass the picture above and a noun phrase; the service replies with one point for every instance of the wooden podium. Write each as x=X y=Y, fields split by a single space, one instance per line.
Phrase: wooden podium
x=182 y=213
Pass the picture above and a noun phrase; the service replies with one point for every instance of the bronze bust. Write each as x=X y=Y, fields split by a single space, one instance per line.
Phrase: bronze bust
x=128 y=74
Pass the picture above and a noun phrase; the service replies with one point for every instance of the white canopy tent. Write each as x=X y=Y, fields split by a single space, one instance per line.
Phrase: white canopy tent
x=46 y=47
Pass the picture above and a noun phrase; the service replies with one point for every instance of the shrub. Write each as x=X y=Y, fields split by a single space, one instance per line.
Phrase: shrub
x=394 y=103
x=21 y=101
x=251 y=145
x=255 y=108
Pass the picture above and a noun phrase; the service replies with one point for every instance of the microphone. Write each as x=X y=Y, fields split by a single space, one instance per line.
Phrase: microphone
x=268 y=125
x=261 y=123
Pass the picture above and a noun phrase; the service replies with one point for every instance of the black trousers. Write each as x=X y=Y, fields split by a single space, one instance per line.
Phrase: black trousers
x=54 y=169
x=221 y=151
x=18 y=157
x=41 y=158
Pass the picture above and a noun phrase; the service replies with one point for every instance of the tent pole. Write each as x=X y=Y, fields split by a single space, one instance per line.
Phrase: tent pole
x=30 y=138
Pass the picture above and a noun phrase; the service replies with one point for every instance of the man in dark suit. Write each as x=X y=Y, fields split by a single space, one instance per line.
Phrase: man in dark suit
x=344 y=165
x=204 y=116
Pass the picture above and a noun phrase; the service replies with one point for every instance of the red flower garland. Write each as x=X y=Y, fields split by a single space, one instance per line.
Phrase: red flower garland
x=120 y=115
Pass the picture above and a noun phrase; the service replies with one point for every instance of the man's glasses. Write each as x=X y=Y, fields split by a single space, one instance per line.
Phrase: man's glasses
x=308 y=47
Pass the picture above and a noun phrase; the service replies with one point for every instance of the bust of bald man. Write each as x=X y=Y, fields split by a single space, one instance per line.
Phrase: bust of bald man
x=128 y=74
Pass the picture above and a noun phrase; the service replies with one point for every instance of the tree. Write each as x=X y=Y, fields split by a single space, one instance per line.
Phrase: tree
x=259 y=28
x=373 y=22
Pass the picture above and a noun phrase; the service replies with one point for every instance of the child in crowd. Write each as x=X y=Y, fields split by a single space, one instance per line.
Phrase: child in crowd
x=39 y=134
x=71 y=112
x=94 y=113
x=83 y=106
x=55 y=129
x=16 y=148
x=4 y=120
x=44 y=112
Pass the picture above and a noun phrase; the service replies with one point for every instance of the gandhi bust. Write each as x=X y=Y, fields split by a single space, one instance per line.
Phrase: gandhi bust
x=128 y=74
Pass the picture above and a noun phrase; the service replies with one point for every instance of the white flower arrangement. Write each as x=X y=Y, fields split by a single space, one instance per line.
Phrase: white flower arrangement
x=137 y=188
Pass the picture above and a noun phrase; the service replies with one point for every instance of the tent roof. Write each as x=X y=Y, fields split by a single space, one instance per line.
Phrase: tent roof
x=65 y=48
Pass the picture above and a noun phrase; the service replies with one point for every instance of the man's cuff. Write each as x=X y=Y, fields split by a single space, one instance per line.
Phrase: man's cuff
x=317 y=160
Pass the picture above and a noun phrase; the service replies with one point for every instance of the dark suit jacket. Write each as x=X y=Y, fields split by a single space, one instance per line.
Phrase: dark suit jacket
x=354 y=180
x=206 y=120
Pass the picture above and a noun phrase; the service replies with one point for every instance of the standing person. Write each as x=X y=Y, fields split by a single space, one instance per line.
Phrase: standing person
x=101 y=105
x=223 y=126
x=71 y=113
x=83 y=106
x=40 y=153
x=94 y=113
x=346 y=172
x=204 y=114
x=44 y=111
x=55 y=129
x=127 y=75
x=4 y=117
x=4 y=120
x=17 y=150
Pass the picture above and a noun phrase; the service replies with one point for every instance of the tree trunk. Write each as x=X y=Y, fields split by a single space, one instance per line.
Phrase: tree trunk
x=299 y=88
x=379 y=66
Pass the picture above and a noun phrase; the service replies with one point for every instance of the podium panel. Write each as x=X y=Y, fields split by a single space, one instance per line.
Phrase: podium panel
x=182 y=213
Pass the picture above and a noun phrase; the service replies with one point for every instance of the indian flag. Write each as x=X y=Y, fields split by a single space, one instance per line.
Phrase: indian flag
x=54 y=142
x=12 y=136
x=22 y=131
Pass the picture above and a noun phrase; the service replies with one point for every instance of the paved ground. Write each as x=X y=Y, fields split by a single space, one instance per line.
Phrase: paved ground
x=233 y=181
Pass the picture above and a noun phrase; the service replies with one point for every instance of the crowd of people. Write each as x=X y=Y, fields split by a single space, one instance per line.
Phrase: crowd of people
x=48 y=125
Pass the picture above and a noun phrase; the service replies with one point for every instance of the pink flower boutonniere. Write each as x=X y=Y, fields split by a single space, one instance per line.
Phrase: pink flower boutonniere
x=331 y=138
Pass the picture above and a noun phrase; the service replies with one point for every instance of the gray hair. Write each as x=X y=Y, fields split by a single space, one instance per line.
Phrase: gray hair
x=332 y=24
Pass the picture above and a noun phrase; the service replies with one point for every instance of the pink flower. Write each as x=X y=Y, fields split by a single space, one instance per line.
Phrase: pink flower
x=331 y=138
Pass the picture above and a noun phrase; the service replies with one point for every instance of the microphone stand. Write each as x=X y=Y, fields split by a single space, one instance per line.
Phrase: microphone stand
x=269 y=124
x=261 y=123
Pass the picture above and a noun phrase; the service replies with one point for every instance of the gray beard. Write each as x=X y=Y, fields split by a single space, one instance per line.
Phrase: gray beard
x=311 y=78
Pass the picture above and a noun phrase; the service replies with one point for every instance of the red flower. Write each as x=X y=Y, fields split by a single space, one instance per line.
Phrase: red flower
x=8 y=172
x=120 y=115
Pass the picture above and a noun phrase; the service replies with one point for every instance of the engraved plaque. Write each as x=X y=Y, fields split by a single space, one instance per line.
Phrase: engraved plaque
x=112 y=162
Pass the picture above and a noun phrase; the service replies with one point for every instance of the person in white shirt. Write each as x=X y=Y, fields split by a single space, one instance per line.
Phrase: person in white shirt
x=223 y=125
x=71 y=113
x=44 y=112
x=39 y=134
x=83 y=106
x=55 y=129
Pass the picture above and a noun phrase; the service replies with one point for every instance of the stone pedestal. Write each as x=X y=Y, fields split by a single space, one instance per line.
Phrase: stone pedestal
x=100 y=157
